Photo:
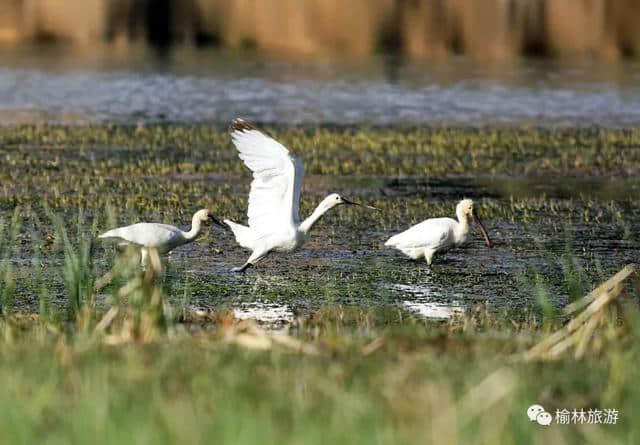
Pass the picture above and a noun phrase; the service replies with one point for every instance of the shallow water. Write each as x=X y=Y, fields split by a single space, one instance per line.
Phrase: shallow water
x=346 y=263
x=183 y=86
x=430 y=301
x=536 y=251
x=265 y=311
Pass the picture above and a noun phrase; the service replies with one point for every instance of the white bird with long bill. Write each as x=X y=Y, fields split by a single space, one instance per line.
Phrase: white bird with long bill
x=274 y=199
x=438 y=234
x=162 y=237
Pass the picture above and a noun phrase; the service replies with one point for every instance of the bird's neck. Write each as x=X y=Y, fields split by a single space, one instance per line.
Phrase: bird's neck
x=462 y=228
x=307 y=224
x=196 y=226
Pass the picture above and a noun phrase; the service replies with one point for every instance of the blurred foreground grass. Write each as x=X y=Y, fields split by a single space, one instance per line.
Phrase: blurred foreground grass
x=342 y=375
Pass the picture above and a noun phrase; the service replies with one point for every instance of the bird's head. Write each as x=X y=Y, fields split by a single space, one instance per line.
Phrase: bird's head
x=465 y=211
x=334 y=199
x=205 y=215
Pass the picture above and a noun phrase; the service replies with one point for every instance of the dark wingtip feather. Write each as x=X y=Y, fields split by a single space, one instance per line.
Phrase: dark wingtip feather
x=240 y=124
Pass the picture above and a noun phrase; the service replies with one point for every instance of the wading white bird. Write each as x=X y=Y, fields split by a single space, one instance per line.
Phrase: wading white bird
x=274 y=199
x=437 y=234
x=162 y=237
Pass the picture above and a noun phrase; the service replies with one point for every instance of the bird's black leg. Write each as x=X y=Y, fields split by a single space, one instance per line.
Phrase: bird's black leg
x=256 y=256
x=242 y=268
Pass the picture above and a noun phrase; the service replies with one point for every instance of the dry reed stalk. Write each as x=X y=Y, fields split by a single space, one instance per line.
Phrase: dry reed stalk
x=485 y=30
x=581 y=328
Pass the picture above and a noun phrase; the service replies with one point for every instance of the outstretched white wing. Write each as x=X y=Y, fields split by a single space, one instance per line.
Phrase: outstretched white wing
x=274 y=199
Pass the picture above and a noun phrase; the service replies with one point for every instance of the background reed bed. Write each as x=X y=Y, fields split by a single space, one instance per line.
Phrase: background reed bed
x=426 y=29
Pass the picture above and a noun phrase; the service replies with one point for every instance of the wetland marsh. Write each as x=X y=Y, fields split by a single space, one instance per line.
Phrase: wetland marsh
x=560 y=205
x=344 y=339
x=375 y=360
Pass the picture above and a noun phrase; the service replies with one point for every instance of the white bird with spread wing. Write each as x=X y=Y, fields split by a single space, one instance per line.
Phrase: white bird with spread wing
x=437 y=234
x=274 y=199
x=162 y=237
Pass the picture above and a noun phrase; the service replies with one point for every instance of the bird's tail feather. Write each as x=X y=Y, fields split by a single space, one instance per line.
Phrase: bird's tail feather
x=242 y=233
x=391 y=242
x=113 y=233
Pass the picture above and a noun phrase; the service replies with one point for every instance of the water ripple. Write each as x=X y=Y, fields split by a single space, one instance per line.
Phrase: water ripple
x=130 y=97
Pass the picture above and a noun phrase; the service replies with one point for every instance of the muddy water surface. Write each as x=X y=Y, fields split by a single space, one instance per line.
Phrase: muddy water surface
x=543 y=251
